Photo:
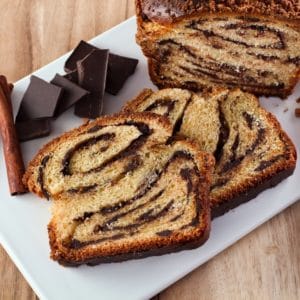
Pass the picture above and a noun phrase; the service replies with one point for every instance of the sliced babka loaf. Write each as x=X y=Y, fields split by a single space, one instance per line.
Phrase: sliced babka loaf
x=252 y=151
x=254 y=45
x=122 y=189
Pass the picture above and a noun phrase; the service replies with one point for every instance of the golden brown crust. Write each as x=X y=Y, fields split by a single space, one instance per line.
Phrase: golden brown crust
x=144 y=247
x=28 y=178
x=168 y=11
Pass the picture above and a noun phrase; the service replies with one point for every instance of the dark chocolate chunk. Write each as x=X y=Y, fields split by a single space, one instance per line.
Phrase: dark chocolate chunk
x=80 y=52
x=72 y=93
x=32 y=129
x=72 y=76
x=119 y=69
x=39 y=101
x=92 y=77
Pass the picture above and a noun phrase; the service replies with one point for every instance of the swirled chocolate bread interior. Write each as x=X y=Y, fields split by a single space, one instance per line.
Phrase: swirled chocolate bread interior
x=252 y=151
x=194 y=44
x=123 y=190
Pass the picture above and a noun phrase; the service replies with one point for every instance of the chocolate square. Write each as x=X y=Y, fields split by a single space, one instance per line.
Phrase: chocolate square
x=118 y=70
x=72 y=76
x=92 y=77
x=80 y=52
x=39 y=101
x=32 y=129
x=72 y=93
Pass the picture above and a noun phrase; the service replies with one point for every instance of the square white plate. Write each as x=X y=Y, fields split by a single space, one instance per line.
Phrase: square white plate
x=23 y=219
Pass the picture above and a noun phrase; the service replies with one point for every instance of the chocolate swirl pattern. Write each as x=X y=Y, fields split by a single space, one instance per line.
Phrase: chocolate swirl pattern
x=252 y=152
x=119 y=188
x=254 y=54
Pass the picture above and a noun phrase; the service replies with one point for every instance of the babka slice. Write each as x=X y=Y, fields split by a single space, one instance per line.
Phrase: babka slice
x=253 y=45
x=122 y=189
x=252 y=151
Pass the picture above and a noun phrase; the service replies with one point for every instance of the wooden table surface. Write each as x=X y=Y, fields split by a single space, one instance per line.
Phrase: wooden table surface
x=263 y=265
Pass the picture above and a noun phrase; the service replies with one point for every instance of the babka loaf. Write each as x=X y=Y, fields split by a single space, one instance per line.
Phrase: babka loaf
x=252 y=152
x=122 y=189
x=253 y=45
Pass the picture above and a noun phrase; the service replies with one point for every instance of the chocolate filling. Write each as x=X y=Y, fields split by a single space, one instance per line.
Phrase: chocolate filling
x=223 y=133
x=294 y=60
x=141 y=220
x=267 y=163
x=245 y=80
x=264 y=57
x=178 y=123
x=251 y=193
x=132 y=165
x=235 y=71
x=249 y=119
x=144 y=188
x=234 y=161
x=94 y=129
x=135 y=145
x=186 y=175
x=195 y=221
x=80 y=146
x=212 y=66
x=168 y=103
x=164 y=233
x=76 y=244
x=218 y=73
x=220 y=182
x=85 y=216
x=108 y=223
x=83 y=190
x=143 y=128
x=150 y=215
x=260 y=29
x=40 y=178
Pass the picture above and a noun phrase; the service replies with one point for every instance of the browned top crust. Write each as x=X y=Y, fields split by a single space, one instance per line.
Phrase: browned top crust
x=168 y=11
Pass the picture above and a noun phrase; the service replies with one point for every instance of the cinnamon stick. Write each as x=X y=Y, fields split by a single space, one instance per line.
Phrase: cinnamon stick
x=6 y=87
x=12 y=151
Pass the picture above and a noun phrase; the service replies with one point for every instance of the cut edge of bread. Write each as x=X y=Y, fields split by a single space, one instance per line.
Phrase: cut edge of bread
x=142 y=38
x=268 y=178
x=28 y=179
x=259 y=91
x=178 y=241
x=251 y=188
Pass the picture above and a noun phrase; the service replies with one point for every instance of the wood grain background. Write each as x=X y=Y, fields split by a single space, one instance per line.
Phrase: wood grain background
x=263 y=265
